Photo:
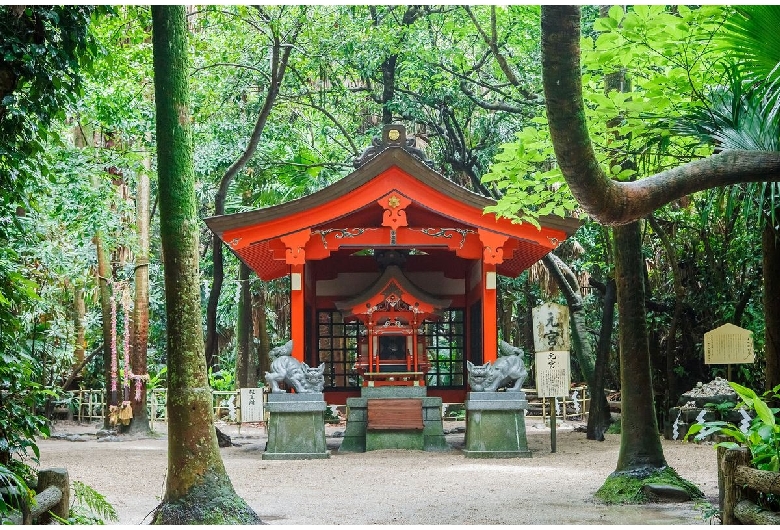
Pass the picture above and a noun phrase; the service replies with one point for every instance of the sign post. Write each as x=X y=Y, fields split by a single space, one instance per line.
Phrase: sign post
x=729 y=344
x=251 y=405
x=553 y=362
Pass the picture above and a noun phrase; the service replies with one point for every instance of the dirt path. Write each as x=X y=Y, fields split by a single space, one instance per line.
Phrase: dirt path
x=391 y=487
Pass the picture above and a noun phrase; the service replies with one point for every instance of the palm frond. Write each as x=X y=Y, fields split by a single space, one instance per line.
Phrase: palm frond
x=735 y=116
x=751 y=35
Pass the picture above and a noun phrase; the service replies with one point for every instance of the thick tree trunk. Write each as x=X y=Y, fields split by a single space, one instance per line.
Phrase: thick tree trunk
x=197 y=488
x=771 y=264
x=599 y=417
x=140 y=337
x=640 y=444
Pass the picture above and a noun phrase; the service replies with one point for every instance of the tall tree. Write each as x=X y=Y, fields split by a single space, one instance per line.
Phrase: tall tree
x=197 y=489
x=246 y=353
x=616 y=203
x=140 y=334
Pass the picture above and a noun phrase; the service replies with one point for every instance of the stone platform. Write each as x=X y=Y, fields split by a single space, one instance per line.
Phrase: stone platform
x=296 y=427
x=495 y=425
x=359 y=437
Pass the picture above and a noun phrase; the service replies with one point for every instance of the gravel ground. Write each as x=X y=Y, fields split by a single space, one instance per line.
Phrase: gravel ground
x=389 y=486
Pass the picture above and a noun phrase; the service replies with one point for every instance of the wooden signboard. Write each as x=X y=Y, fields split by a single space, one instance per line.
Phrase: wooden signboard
x=553 y=373
x=728 y=344
x=551 y=327
x=251 y=405
x=395 y=414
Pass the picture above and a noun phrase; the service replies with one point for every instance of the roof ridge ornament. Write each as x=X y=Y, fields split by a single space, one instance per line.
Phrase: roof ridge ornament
x=393 y=135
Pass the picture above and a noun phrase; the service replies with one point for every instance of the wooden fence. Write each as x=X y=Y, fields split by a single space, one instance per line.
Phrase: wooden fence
x=573 y=407
x=53 y=495
x=89 y=405
x=739 y=486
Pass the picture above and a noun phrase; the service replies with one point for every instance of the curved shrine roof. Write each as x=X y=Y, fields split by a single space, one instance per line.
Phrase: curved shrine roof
x=392 y=199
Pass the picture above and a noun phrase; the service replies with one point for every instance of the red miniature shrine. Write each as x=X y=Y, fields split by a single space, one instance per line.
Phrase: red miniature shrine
x=393 y=271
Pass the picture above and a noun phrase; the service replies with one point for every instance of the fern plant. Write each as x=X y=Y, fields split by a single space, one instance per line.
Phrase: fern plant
x=89 y=507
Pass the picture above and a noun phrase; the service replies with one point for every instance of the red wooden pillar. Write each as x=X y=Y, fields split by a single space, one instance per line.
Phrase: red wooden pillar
x=489 y=314
x=371 y=360
x=297 y=310
x=492 y=255
x=295 y=257
x=415 y=353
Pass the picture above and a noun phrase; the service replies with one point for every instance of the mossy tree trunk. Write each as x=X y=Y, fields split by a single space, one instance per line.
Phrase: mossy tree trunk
x=140 y=335
x=640 y=443
x=197 y=488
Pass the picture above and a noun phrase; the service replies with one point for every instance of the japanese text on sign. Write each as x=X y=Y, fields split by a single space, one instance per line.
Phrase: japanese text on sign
x=551 y=327
x=728 y=344
x=553 y=374
x=251 y=405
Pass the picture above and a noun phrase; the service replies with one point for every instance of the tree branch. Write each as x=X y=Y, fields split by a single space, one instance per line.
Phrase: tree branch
x=610 y=202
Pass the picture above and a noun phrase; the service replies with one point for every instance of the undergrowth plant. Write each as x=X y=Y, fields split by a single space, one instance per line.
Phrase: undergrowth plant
x=15 y=495
x=88 y=507
x=762 y=437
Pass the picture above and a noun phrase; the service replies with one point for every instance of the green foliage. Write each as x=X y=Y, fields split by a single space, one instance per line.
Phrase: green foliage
x=614 y=427
x=158 y=380
x=709 y=513
x=721 y=407
x=763 y=435
x=19 y=396
x=222 y=380
x=667 y=61
x=751 y=35
x=331 y=416
x=43 y=51
x=14 y=492
x=623 y=488
x=532 y=186
x=89 y=507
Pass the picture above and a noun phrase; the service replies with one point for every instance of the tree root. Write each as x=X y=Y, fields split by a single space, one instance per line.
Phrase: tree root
x=213 y=501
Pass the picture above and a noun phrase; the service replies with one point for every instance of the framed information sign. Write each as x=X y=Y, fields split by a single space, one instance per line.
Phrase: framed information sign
x=251 y=405
x=553 y=373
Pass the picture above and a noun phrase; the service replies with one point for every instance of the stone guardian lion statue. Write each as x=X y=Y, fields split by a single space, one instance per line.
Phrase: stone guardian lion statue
x=294 y=373
x=508 y=369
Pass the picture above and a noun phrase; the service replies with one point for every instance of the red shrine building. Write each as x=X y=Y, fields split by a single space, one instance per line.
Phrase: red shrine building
x=393 y=271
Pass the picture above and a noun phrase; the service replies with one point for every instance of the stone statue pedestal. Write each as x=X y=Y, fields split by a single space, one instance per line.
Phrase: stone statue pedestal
x=495 y=425
x=359 y=437
x=296 y=427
